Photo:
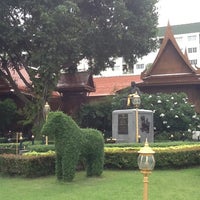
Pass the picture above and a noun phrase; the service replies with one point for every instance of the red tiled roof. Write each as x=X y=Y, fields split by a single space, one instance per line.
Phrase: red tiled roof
x=21 y=85
x=109 y=85
x=104 y=85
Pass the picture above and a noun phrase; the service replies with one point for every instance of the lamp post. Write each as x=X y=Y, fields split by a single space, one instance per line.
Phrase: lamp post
x=17 y=141
x=146 y=163
x=20 y=142
x=136 y=101
x=32 y=139
x=46 y=112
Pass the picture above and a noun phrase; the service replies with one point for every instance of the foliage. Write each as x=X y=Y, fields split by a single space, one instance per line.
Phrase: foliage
x=93 y=146
x=8 y=115
x=41 y=148
x=176 y=157
x=173 y=114
x=3 y=140
x=97 y=115
x=154 y=145
x=44 y=37
x=28 y=166
x=35 y=153
x=70 y=142
x=34 y=164
x=8 y=148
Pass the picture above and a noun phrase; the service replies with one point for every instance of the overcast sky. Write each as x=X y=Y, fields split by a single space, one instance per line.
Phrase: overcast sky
x=178 y=11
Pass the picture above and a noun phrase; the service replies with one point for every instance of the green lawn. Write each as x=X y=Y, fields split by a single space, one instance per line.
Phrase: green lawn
x=121 y=185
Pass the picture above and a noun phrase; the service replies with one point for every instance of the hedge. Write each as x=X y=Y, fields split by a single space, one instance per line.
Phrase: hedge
x=115 y=158
x=164 y=160
x=28 y=166
x=8 y=148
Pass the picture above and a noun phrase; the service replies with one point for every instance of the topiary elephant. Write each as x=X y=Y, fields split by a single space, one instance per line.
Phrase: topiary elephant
x=71 y=142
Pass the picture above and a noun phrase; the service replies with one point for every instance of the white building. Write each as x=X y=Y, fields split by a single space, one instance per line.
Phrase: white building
x=188 y=39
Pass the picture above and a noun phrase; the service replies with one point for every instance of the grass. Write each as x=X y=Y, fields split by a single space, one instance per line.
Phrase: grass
x=122 y=185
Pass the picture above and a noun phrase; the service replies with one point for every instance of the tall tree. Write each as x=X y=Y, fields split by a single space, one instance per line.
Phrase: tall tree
x=46 y=36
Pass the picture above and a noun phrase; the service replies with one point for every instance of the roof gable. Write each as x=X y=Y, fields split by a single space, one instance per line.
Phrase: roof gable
x=170 y=58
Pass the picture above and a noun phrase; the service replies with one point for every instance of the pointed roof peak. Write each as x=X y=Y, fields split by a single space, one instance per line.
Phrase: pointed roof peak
x=169 y=39
x=169 y=32
x=168 y=23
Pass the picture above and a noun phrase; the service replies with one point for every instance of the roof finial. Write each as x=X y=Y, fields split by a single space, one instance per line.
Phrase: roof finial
x=168 y=24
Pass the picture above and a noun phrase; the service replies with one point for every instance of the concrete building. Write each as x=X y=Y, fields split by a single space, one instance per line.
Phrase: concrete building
x=188 y=38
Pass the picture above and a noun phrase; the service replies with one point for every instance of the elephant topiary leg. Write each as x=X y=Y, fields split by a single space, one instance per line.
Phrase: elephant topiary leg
x=94 y=166
x=69 y=167
x=59 y=173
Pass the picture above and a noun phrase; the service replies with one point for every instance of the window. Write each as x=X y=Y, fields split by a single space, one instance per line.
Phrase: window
x=193 y=62
x=192 y=37
x=160 y=40
x=125 y=69
x=178 y=39
x=140 y=66
x=192 y=50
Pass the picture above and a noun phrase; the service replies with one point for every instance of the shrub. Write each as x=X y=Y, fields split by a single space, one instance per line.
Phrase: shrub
x=176 y=157
x=168 y=155
x=173 y=114
x=28 y=166
x=3 y=139
x=70 y=140
x=93 y=151
x=41 y=148
x=97 y=115
x=9 y=148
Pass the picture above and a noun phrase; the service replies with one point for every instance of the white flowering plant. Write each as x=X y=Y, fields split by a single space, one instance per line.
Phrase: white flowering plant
x=172 y=112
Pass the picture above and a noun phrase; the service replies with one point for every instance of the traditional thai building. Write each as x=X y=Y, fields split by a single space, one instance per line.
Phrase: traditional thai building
x=71 y=91
x=171 y=72
x=74 y=90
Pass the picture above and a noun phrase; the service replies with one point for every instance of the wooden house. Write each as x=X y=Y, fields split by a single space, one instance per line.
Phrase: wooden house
x=171 y=72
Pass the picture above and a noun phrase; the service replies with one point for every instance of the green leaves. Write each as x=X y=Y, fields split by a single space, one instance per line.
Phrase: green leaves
x=53 y=35
x=172 y=112
x=8 y=114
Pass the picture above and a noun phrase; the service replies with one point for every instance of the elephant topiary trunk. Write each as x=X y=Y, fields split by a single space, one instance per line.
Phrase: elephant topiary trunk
x=71 y=142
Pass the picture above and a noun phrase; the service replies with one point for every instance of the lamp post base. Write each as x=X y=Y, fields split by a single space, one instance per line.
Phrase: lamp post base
x=145 y=181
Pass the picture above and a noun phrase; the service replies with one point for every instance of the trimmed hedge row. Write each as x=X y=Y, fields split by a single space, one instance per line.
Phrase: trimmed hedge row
x=28 y=166
x=164 y=159
x=35 y=166
x=8 y=148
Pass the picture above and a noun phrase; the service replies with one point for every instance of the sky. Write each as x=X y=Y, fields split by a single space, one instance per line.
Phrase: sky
x=178 y=12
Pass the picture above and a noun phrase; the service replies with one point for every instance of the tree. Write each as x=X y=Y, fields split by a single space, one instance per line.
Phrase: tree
x=46 y=36
x=8 y=116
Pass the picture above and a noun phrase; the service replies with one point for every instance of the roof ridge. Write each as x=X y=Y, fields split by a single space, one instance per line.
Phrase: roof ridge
x=169 y=36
